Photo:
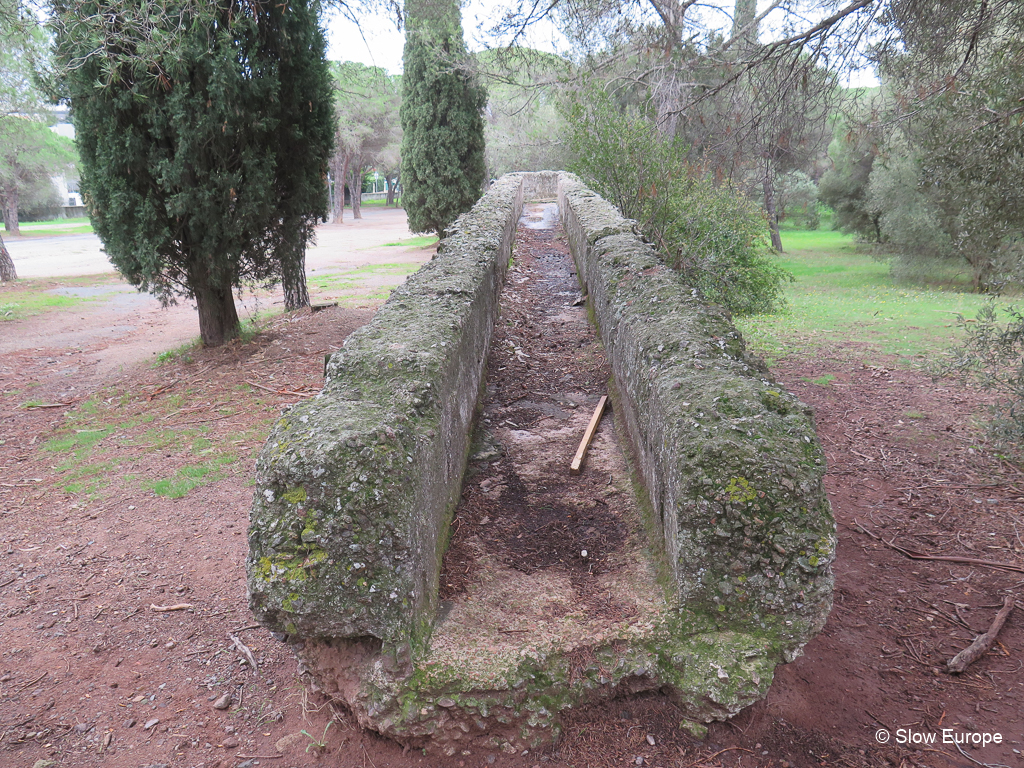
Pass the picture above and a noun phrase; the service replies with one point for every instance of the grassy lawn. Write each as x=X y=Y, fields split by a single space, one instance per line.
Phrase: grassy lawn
x=78 y=225
x=842 y=295
x=24 y=299
x=422 y=241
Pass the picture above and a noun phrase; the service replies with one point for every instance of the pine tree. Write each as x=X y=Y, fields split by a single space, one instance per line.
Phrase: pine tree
x=196 y=168
x=443 y=166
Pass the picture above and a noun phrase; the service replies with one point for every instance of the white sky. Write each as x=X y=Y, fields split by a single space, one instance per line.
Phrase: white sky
x=376 y=41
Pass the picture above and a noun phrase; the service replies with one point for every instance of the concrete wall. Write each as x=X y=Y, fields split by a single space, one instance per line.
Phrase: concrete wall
x=729 y=460
x=355 y=488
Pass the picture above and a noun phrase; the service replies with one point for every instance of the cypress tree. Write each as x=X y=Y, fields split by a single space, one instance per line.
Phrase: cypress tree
x=305 y=142
x=196 y=173
x=443 y=166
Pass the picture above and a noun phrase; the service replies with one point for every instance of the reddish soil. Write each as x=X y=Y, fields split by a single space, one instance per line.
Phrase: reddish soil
x=86 y=662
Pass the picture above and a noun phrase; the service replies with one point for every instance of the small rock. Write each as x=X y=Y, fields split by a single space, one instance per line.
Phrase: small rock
x=150 y=723
x=129 y=722
x=247 y=764
x=445 y=702
x=291 y=741
x=638 y=760
x=490 y=759
x=83 y=728
x=650 y=739
x=230 y=742
x=223 y=702
x=170 y=645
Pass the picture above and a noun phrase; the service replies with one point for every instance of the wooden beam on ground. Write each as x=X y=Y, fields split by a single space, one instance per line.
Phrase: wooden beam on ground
x=574 y=468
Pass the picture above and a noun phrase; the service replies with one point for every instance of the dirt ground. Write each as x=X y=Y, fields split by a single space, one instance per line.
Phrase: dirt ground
x=126 y=640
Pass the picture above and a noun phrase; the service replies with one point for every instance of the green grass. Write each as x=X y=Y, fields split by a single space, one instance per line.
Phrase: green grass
x=182 y=353
x=822 y=381
x=79 y=441
x=351 y=285
x=20 y=304
x=192 y=476
x=841 y=295
x=77 y=225
x=412 y=242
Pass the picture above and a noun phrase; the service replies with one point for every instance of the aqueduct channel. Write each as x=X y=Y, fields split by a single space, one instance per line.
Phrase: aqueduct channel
x=416 y=533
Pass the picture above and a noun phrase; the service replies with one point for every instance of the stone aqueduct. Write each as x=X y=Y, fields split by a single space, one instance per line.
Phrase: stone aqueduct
x=356 y=489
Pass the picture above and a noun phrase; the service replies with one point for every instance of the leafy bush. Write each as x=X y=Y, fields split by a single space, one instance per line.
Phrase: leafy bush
x=713 y=236
x=992 y=356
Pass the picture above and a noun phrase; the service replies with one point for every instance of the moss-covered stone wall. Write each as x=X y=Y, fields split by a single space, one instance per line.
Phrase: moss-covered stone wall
x=356 y=486
x=730 y=461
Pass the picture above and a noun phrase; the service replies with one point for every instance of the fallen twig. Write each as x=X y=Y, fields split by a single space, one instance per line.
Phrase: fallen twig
x=258 y=757
x=162 y=389
x=29 y=685
x=982 y=643
x=167 y=608
x=978 y=762
x=244 y=650
x=279 y=391
x=719 y=752
x=942 y=558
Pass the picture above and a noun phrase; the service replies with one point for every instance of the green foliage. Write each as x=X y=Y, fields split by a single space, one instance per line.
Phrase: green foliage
x=713 y=236
x=798 y=199
x=844 y=187
x=191 y=171
x=30 y=153
x=522 y=122
x=963 y=134
x=368 y=131
x=443 y=133
x=992 y=356
x=910 y=223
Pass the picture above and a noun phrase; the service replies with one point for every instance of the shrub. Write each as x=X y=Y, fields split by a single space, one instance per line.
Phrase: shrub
x=992 y=356
x=712 y=235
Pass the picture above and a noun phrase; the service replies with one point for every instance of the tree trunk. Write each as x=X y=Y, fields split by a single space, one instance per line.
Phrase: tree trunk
x=11 y=211
x=392 y=187
x=768 y=184
x=293 y=275
x=339 y=191
x=218 y=318
x=7 y=271
x=355 y=189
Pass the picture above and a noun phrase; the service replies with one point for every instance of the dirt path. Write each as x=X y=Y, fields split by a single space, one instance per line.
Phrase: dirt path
x=134 y=492
x=116 y=327
x=337 y=246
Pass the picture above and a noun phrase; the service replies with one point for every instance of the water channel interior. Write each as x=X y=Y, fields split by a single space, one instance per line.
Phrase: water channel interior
x=538 y=555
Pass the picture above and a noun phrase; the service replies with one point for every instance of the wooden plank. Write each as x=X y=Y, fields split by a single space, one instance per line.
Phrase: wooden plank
x=574 y=468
